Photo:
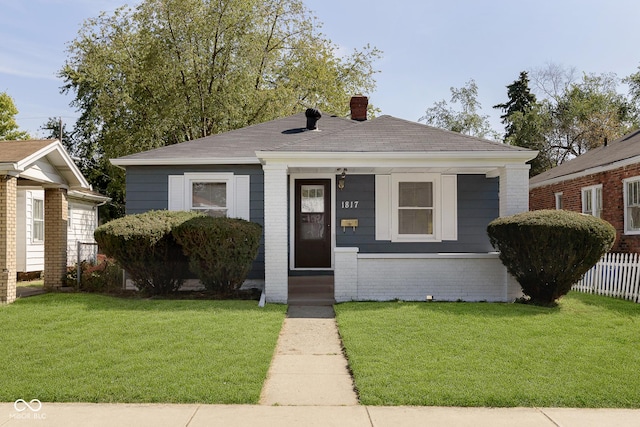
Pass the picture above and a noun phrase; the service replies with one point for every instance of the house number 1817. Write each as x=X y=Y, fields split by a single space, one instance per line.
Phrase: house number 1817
x=350 y=204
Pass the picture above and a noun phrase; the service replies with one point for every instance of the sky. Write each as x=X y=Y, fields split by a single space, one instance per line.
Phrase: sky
x=428 y=47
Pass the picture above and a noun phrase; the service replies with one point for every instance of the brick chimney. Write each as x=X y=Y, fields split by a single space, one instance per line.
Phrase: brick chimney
x=358 y=106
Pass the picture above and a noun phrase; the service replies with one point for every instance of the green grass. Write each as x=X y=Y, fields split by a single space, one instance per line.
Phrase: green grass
x=583 y=353
x=93 y=348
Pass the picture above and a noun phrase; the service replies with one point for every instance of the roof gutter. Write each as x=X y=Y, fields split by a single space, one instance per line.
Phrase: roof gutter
x=86 y=196
x=404 y=158
x=123 y=162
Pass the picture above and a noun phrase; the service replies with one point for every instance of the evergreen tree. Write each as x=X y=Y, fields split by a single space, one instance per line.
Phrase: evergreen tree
x=520 y=100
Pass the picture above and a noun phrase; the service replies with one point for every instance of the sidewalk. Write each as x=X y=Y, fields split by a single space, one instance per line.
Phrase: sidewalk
x=110 y=415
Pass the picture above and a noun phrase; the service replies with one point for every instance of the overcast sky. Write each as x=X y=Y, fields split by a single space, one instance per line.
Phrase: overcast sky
x=428 y=46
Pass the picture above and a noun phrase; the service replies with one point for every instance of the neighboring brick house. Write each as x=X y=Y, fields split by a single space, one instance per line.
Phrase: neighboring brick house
x=46 y=206
x=604 y=182
x=390 y=208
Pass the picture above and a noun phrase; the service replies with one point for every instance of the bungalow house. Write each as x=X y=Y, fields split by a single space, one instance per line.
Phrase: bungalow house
x=46 y=207
x=604 y=182
x=82 y=220
x=390 y=208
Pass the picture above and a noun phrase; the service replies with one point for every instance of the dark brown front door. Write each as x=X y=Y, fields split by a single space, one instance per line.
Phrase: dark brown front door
x=313 y=223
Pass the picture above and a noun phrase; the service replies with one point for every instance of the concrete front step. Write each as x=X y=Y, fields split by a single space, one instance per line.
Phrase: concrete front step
x=311 y=290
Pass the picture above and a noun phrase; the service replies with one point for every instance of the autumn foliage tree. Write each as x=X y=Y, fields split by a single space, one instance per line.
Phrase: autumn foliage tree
x=169 y=71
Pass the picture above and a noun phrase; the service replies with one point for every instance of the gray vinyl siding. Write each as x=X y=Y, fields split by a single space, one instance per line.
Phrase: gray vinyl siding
x=478 y=204
x=148 y=188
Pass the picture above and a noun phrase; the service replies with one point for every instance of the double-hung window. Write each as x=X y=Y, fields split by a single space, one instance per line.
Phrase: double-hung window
x=416 y=207
x=592 y=200
x=37 y=221
x=632 y=205
x=217 y=194
x=559 y=204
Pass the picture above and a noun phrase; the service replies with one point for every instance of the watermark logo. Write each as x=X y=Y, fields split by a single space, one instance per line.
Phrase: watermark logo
x=28 y=410
x=22 y=405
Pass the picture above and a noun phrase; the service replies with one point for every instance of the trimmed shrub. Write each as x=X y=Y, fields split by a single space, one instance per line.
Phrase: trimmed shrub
x=144 y=246
x=220 y=250
x=105 y=276
x=548 y=251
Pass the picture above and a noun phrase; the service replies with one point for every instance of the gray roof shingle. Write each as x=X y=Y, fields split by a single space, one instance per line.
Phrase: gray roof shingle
x=390 y=134
x=335 y=134
x=622 y=148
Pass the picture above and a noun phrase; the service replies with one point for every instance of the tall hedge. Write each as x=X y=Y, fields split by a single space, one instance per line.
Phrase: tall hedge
x=144 y=246
x=220 y=250
x=548 y=251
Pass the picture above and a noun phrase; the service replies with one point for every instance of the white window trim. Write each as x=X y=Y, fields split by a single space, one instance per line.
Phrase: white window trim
x=237 y=187
x=33 y=220
x=559 y=200
x=396 y=179
x=446 y=207
x=225 y=178
x=383 y=207
x=625 y=197
x=593 y=189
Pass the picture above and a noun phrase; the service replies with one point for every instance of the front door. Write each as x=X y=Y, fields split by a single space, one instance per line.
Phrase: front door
x=313 y=223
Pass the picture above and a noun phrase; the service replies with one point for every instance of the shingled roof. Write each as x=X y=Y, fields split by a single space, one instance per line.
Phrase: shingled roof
x=335 y=134
x=20 y=158
x=624 y=148
x=17 y=151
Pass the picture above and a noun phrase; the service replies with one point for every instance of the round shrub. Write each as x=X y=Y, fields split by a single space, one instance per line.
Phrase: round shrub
x=220 y=250
x=548 y=251
x=144 y=246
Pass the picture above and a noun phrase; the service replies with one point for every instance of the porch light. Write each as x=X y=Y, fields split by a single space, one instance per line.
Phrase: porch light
x=342 y=179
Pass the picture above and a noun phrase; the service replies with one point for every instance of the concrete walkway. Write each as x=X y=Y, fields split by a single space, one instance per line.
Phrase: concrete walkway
x=26 y=291
x=308 y=367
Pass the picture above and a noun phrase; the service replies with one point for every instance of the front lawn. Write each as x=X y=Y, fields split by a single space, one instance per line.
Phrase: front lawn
x=583 y=353
x=93 y=348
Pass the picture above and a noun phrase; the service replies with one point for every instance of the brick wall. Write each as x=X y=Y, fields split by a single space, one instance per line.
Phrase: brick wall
x=276 y=270
x=466 y=277
x=612 y=200
x=345 y=277
x=514 y=186
x=55 y=236
x=8 y=190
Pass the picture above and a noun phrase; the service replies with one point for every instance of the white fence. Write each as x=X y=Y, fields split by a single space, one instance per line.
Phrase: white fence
x=615 y=275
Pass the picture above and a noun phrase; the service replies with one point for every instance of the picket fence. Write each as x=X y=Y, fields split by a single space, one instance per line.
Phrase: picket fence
x=615 y=275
